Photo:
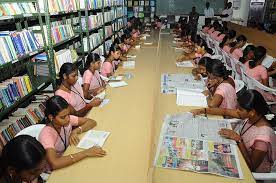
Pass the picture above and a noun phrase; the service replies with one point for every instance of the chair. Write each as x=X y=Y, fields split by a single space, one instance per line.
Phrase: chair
x=33 y=130
x=228 y=62
x=237 y=68
x=267 y=92
x=266 y=176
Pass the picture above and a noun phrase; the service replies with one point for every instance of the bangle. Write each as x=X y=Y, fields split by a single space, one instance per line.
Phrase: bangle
x=80 y=129
x=72 y=157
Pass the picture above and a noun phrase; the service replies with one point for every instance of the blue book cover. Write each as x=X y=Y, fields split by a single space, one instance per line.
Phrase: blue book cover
x=20 y=42
x=5 y=97
x=32 y=44
x=5 y=136
x=35 y=40
x=18 y=45
x=6 y=91
x=13 y=97
x=15 y=91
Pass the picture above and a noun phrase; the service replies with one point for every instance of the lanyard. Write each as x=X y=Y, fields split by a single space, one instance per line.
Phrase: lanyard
x=243 y=132
x=63 y=141
x=98 y=79
x=76 y=92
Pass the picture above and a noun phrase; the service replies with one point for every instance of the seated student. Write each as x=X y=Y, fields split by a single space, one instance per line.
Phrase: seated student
x=222 y=33
x=248 y=54
x=206 y=27
x=255 y=69
x=217 y=28
x=59 y=133
x=23 y=159
x=236 y=47
x=221 y=90
x=92 y=81
x=135 y=33
x=201 y=49
x=126 y=39
x=200 y=71
x=108 y=67
x=123 y=48
x=255 y=137
x=229 y=38
x=72 y=92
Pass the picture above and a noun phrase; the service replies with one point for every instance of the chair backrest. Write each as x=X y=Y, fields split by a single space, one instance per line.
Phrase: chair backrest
x=238 y=69
x=33 y=130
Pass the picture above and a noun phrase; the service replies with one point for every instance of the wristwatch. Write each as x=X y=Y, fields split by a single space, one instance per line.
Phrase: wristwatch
x=239 y=141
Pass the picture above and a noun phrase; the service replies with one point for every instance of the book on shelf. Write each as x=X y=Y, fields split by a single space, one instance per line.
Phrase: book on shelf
x=15 y=8
x=13 y=89
x=23 y=118
x=108 y=31
x=136 y=3
x=59 y=32
x=141 y=8
x=152 y=3
x=108 y=44
x=56 y=6
x=152 y=9
x=142 y=3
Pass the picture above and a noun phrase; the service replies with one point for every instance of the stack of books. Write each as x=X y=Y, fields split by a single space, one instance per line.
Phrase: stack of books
x=61 y=57
x=56 y=6
x=9 y=9
x=23 y=118
x=16 y=44
x=108 y=44
x=41 y=69
x=13 y=89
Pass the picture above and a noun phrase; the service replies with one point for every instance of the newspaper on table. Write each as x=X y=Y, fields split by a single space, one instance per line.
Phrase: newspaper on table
x=170 y=83
x=187 y=64
x=193 y=144
x=187 y=97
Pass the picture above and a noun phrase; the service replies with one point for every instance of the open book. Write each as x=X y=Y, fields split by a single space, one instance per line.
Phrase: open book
x=93 y=138
x=117 y=84
x=190 y=98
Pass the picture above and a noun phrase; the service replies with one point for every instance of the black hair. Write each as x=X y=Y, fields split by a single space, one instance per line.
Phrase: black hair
x=230 y=35
x=114 y=48
x=125 y=36
x=252 y=99
x=67 y=68
x=92 y=58
x=217 y=68
x=118 y=40
x=201 y=42
x=240 y=38
x=21 y=153
x=246 y=51
x=55 y=105
x=204 y=60
x=259 y=54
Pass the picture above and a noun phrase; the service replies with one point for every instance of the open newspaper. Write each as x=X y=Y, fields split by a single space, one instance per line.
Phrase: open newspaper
x=170 y=83
x=193 y=144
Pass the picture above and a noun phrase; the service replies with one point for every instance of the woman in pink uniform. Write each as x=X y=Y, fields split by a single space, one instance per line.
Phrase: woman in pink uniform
x=72 y=92
x=108 y=67
x=62 y=130
x=254 y=136
x=221 y=91
x=92 y=81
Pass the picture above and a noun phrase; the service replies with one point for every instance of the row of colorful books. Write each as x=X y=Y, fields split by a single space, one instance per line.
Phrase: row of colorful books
x=59 y=32
x=94 y=40
x=119 y=12
x=60 y=5
x=109 y=15
x=94 y=21
x=54 y=6
x=16 y=44
x=9 y=9
x=23 y=118
x=13 y=89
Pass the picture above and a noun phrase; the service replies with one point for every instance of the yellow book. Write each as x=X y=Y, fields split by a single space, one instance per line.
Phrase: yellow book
x=28 y=83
